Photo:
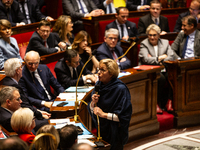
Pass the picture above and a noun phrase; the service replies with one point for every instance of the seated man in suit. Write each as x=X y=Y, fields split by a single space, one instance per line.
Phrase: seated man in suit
x=106 y=5
x=194 y=10
x=36 y=81
x=9 y=102
x=133 y=5
x=153 y=17
x=110 y=49
x=9 y=9
x=126 y=28
x=43 y=41
x=187 y=43
x=78 y=9
x=68 y=69
x=13 y=72
x=30 y=10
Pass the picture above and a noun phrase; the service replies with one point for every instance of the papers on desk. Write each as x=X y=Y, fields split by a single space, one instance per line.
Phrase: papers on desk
x=121 y=74
x=82 y=89
x=71 y=96
x=69 y=103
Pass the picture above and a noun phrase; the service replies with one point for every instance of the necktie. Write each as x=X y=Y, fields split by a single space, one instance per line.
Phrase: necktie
x=110 y=8
x=81 y=7
x=122 y=31
x=45 y=43
x=114 y=55
x=39 y=87
x=9 y=14
x=185 y=47
x=75 y=76
x=156 y=21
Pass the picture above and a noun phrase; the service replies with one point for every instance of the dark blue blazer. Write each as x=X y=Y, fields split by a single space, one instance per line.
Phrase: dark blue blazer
x=34 y=11
x=16 y=14
x=130 y=26
x=30 y=89
x=133 y=4
x=5 y=117
x=104 y=52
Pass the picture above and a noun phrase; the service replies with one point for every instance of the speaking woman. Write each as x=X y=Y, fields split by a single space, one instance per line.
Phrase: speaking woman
x=112 y=104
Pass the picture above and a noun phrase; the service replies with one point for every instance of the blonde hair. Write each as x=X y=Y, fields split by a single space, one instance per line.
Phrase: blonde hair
x=47 y=142
x=153 y=27
x=21 y=120
x=112 y=67
x=6 y=23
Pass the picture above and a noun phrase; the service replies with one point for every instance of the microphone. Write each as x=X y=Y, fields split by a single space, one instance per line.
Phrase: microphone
x=96 y=89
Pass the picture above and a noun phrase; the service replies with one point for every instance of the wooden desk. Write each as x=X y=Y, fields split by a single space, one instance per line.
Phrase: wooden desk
x=184 y=76
x=92 y=24
x=143 y=88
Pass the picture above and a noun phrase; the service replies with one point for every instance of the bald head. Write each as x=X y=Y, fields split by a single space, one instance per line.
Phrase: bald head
x=194 y=8
x=32 y=60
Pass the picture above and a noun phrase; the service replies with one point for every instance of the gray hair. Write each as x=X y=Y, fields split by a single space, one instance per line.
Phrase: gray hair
x=7 y=93
x=11 y=65
x=31 y=52
x=111 y=31
x=153 y=27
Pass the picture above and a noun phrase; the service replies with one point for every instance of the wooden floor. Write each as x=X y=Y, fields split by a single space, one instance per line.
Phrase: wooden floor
x=163 y=134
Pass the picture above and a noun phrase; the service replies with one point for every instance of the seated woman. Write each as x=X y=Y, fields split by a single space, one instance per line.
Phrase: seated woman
x=80 y=44
x=23 y=122
x=8 y=45
x=112 y=105
x=47 y=142
x=154 y=51
x=62 y=30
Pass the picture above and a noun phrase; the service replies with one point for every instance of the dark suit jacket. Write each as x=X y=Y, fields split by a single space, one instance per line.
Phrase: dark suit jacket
x=5 y=117
x=25 y=101
x=16 y=14
x=178 y=25
x=133 y=4
x=30 y=89
x=36 y=43
x=104 y=52
x=70 y=7
x=34 y=11
x=130 y=26
x=146 y=20
x=179 y=43
x=64 y=75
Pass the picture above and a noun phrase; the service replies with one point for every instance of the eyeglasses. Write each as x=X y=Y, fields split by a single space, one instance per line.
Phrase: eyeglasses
x=112 y=38
x=193 y=9
x=31 y=64
x=18 y=99
x=101 y=70
x=154 y=35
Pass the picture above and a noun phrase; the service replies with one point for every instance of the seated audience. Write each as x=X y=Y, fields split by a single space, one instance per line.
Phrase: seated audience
x=13 y=72
x=68 y=69
x=187 y=42
x=62 y=30
x=80 y=44
x=13 y=143
x=194 y=10
x=82 y=146
x=126 y=28
x=31 y=11
x=78 y=9
x=68 y=137
x=8 y=45
x=110 y=49
x=154 y=51
x=23 y=122
x=112 y=104
x=43 y=41
x=10 y=102
x=36 y=81
x=133 y=5
x=47 y=142
x=9 y=9
x=106 y=5
x=154 y=17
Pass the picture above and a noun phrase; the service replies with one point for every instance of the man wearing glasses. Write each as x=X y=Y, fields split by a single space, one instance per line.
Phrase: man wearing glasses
x=194 y=10
x=36 y=81
x=68 y=70
x=43 y=41
x=110 y=49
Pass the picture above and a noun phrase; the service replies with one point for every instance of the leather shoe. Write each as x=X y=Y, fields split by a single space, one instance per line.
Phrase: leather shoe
x=169 y=106
x=159 y=110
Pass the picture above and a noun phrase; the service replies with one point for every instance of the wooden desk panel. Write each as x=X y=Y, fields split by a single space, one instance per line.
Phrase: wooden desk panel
x=184 y=77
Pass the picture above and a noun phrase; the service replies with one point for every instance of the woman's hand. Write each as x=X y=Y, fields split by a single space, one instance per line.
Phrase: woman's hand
x=88 y=50
x=95 y=99
x=98 y=111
